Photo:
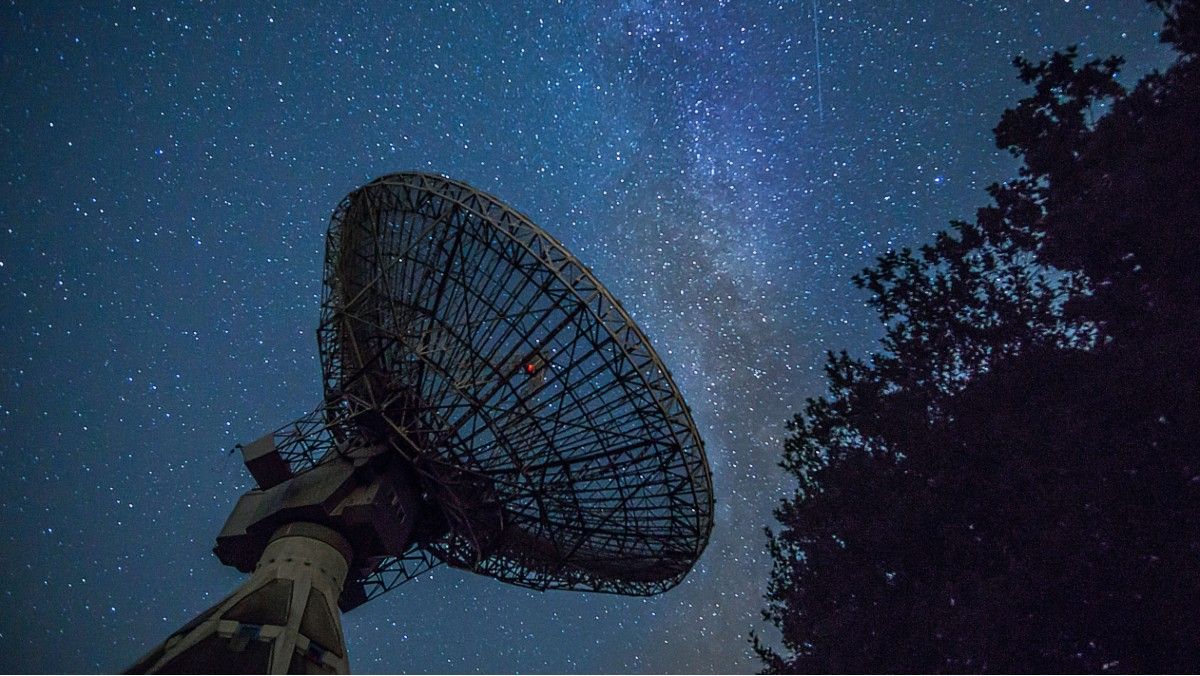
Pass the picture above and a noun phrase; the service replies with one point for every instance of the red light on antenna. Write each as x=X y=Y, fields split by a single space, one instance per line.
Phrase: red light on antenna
x=530 y=368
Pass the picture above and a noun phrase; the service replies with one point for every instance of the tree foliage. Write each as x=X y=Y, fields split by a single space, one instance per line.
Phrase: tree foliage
x=1013 y=482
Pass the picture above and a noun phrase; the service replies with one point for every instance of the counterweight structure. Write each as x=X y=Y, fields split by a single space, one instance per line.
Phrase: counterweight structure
x=487 y=404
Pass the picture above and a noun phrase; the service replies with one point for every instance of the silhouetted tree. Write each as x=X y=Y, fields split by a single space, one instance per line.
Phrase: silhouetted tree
x=1013 y=482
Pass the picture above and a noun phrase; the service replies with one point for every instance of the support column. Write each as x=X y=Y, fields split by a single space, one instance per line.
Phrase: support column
x=283 y=620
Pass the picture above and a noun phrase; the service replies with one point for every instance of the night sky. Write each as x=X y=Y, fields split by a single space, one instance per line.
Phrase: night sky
x=168 y=176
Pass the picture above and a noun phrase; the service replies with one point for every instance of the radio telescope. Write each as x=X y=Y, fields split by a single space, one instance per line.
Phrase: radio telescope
x=487 y=404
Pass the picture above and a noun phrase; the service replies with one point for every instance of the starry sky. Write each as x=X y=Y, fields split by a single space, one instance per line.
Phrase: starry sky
x=168 y=172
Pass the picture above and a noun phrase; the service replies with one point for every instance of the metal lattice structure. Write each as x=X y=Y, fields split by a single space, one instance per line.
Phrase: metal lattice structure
x=544 y=430
x=488 y=405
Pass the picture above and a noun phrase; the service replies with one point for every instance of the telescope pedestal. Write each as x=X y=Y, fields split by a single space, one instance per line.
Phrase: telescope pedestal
x=283 y=620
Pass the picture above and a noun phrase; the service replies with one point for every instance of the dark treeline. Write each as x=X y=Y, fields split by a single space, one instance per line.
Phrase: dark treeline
x=1013 y=482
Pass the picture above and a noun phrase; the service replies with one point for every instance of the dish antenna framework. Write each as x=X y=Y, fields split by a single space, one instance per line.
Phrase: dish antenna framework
x=488 y=404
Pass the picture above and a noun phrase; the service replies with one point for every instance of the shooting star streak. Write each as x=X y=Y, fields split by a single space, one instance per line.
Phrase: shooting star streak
x=817 y=39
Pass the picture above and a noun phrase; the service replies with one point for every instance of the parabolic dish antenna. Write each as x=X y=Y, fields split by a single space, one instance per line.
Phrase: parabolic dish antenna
x=488 y=404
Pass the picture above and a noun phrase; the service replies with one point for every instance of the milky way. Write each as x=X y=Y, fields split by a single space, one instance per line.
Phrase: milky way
x=169 y=172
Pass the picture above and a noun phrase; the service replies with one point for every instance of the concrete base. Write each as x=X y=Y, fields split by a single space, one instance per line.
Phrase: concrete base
x=283 y=620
